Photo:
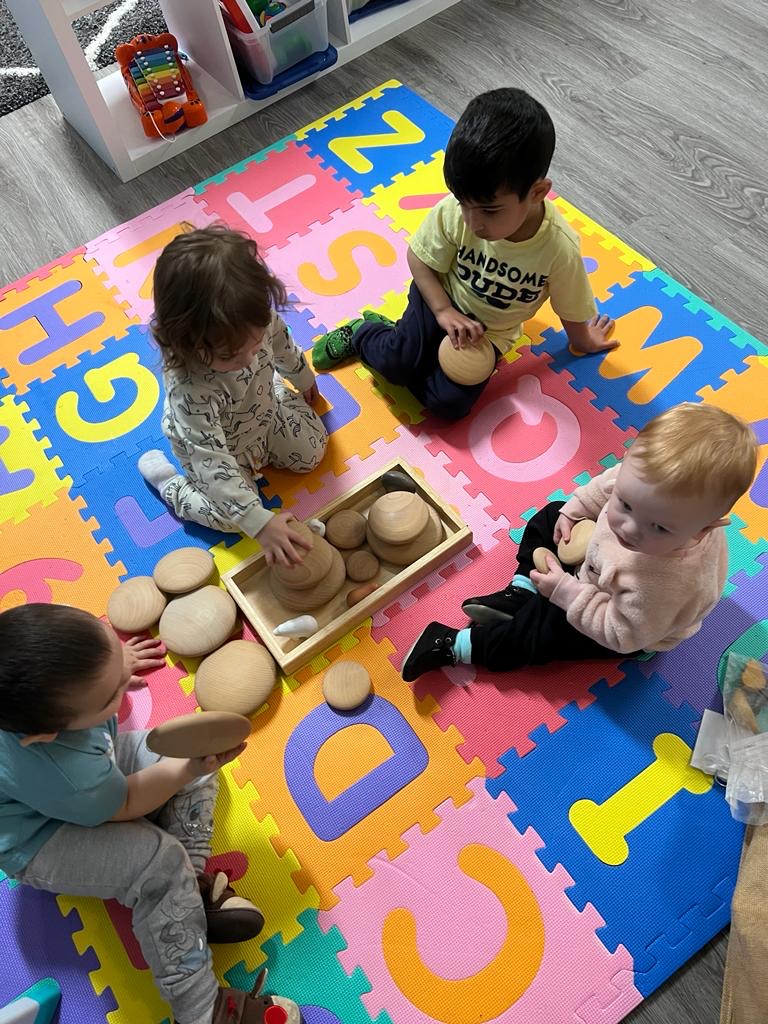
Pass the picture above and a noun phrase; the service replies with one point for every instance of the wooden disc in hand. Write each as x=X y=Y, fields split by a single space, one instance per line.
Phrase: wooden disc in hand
x=199 y=734
x=572 y=551
x=470 y=365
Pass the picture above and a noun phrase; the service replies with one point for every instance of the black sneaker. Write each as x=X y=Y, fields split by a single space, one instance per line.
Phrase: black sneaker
x=433 y=649
x=504 y=604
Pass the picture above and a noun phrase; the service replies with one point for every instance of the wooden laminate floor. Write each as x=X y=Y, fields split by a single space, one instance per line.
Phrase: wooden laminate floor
x=662 y=134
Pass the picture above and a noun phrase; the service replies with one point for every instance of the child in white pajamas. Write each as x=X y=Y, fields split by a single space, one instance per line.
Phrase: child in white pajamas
x=228 y=411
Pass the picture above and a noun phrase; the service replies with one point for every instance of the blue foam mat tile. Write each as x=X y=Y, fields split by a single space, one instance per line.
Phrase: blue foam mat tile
x=677 y=857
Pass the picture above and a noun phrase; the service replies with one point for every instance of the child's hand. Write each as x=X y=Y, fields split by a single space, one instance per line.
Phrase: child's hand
x=593 y=336
x=142 y=654
x=311 y=395
x=562 y=530
x=282 y=544
x=462 y=330
x=199 y=766
x=545 y=582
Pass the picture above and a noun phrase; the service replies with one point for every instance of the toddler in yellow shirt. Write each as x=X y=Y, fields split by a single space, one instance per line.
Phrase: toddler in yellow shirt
x=483 y=260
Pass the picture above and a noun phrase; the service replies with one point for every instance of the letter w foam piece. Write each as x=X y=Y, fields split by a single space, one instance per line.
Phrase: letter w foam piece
x=35 y=1006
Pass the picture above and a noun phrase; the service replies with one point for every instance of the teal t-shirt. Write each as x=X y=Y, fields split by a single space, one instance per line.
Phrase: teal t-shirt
x=73 y=779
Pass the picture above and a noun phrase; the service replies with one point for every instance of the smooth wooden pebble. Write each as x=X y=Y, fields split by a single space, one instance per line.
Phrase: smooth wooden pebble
x=183 y=570
x=196 y=624
x=135 y=605
x=238 y=677
x=404 y=554
x=540 y=558
x=346 y=684
x=309 y=598
x=313 y=567
x=199 y=735
x=362 y=566
x=346 y=529
x=467 y=366
x=398 y=517
x=742 y=712
x=753 y=675
x=356 y=595
x=573 y=551
x=394 y=480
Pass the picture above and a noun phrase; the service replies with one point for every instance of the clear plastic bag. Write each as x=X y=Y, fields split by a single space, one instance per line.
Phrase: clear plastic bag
x=745 y=703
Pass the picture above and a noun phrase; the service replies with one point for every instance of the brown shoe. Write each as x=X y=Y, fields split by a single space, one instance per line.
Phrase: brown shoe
x=233 y=1006
x=230 y=917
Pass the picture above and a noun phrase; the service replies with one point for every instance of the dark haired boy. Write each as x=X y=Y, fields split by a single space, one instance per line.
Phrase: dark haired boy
x=89 y=812
x=483 y=260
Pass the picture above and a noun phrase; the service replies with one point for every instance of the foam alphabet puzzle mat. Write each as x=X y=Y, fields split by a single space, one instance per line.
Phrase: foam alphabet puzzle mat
x=523 y=848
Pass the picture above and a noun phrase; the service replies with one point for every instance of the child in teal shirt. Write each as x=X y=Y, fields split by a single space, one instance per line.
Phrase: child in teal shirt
x=88 y=811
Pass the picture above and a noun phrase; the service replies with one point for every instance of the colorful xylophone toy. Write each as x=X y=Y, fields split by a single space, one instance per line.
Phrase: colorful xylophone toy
x=159 y=85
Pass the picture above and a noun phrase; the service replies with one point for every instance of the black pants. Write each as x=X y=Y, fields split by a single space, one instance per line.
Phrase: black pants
x=540 y=631
x=406 y=354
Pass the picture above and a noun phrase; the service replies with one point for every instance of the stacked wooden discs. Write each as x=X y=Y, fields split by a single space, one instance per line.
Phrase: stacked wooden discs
x=315 y=580
x=402 y=527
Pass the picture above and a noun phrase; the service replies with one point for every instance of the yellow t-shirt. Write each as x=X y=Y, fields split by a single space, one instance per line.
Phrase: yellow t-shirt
x=503 y=283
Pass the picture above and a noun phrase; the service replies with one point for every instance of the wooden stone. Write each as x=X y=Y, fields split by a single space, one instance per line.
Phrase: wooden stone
x=742 y=712
x=183 y=570
x=393 y=480
x=346 y=529
x=540 y=558
x=308 y=598
x=573 y=551
x=404 y=554
x=346 y=684
x=752 y=676
x=238 y=677
x=470 y=365
x=398 y=517
x=199 y=734
x=314 y=566
x=135 y=605
x=362 y=566
x=356 y=595
x=197 y=623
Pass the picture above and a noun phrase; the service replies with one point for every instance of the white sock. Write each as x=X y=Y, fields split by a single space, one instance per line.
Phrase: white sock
x=157 y=469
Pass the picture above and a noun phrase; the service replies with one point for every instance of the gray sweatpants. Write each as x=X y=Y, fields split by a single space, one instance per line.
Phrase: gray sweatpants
x=149 y=865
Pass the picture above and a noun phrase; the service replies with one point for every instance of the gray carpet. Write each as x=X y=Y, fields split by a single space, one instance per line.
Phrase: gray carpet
x=21 y=82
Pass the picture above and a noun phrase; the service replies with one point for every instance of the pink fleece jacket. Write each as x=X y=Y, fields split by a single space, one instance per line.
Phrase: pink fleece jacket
x=629 y=601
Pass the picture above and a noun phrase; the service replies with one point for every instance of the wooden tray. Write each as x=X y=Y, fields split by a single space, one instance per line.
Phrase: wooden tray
x=248 y=582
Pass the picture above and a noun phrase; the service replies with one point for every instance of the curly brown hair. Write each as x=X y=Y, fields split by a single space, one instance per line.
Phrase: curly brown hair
x=210 y=287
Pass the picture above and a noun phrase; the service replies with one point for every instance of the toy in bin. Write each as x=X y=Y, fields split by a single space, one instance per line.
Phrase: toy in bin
x=745 y=701
x=270 y=36
x=159 y=85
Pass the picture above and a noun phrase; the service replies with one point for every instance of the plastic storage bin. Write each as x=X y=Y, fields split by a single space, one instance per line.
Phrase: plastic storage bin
x=290 y=37
x=362 y=8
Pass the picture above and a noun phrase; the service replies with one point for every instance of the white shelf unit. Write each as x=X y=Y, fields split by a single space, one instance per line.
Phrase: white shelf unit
x=101 y=110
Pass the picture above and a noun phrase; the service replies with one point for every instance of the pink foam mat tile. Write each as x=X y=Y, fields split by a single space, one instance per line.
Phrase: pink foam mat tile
x=344 y=265
x=493 y=711
x=506 y=945
x=530 y=434
x=127 y=253
x=279 y=196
